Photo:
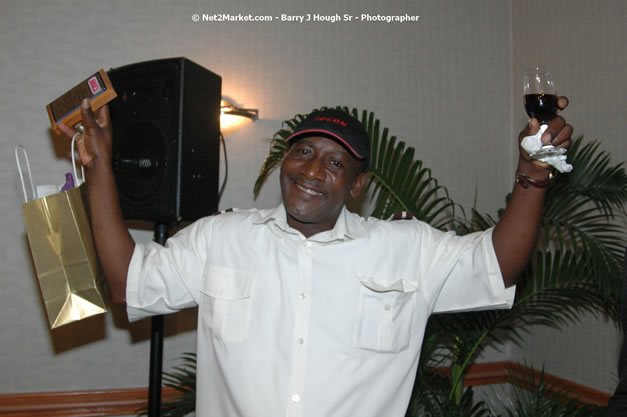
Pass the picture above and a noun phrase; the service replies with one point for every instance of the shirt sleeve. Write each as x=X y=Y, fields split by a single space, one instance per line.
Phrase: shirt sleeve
x=475 y=281
x=163 y=280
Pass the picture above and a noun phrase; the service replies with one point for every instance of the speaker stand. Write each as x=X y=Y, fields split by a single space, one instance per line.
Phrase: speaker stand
x=156 y=343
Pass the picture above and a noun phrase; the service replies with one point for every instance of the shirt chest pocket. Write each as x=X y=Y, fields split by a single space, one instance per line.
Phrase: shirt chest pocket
x=226 y=302
x=385 y=314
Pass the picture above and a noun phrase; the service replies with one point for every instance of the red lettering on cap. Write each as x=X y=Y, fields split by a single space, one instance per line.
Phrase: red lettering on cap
x=336 y=121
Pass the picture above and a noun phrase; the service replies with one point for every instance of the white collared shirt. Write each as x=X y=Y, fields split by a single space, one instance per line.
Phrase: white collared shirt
x=331 y=325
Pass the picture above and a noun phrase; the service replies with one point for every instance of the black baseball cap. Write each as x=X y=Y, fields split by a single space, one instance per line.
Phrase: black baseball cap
x=337 y=125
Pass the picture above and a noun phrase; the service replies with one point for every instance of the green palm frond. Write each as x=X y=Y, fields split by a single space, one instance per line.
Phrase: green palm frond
x=559 y=289
x=429 y=402
x=402 y=183
x=594 y=177
x=581 y=248
x=182 y=379
x=534 y=396
x=580 y=215
x=554 y=293
x=476 y=223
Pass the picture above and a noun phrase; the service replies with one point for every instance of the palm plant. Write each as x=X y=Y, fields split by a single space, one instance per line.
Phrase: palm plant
x=183 y=380
x=535 y=402
x=576 y=267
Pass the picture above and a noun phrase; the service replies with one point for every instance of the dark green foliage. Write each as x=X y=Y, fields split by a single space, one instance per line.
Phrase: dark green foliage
x=546 y=400
x=182 y=379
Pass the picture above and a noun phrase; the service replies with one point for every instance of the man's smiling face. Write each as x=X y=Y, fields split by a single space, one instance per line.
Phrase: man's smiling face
x=317 y=176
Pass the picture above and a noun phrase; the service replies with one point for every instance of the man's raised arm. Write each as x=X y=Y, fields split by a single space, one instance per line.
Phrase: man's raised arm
x=516 y=233
x=114 y=244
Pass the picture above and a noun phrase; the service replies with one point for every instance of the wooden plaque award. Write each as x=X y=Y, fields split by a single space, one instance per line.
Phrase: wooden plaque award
x=97 y=88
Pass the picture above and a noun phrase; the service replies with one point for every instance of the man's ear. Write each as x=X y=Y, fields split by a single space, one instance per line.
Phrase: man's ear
x=359 y=183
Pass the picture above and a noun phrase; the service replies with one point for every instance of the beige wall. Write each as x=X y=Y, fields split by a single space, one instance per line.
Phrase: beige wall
x=447 y=85
x=585 y=44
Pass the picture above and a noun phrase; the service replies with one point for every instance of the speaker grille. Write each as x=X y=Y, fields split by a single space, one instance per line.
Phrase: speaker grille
x=166 y=134
x=140 y=163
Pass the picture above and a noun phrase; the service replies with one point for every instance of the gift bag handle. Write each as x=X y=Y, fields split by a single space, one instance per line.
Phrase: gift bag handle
x=80 y=180
x=19 y=148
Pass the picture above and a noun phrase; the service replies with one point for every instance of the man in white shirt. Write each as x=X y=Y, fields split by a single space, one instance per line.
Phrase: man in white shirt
x=308 y=309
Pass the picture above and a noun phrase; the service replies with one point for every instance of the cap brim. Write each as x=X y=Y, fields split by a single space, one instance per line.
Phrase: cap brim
x=309 y=132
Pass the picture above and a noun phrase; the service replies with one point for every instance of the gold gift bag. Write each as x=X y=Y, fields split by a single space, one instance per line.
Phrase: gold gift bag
x=61 y=242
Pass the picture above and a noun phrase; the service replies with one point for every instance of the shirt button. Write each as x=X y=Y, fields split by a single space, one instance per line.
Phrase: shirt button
x=302 y=296
x=387 y=307
x=301 y=340
x=295 y=398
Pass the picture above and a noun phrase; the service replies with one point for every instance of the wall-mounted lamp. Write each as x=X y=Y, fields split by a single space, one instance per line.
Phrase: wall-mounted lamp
x=232 y=116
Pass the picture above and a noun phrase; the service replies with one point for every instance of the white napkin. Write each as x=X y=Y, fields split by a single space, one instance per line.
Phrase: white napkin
x=533 y=144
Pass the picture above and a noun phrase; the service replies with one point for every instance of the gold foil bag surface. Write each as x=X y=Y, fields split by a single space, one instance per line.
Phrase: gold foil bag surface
x=61 y=242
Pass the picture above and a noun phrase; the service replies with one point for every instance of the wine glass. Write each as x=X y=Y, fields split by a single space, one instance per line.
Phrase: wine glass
x=541 y=103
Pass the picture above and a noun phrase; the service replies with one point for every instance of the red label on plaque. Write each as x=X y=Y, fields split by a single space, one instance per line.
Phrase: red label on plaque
x=97 y=88
x=94 y=85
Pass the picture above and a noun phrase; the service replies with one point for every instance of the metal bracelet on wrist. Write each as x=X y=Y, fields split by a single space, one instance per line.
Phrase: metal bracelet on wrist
x=525 y=180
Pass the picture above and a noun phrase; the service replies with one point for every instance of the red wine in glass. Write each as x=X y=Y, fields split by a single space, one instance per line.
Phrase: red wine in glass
x=541 y=106
x=541 y=103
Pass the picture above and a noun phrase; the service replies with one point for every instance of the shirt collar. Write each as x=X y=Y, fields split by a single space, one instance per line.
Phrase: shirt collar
x=348 y=226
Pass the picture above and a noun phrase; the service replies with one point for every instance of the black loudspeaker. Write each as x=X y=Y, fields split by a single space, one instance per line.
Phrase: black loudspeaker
x=166 y=139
